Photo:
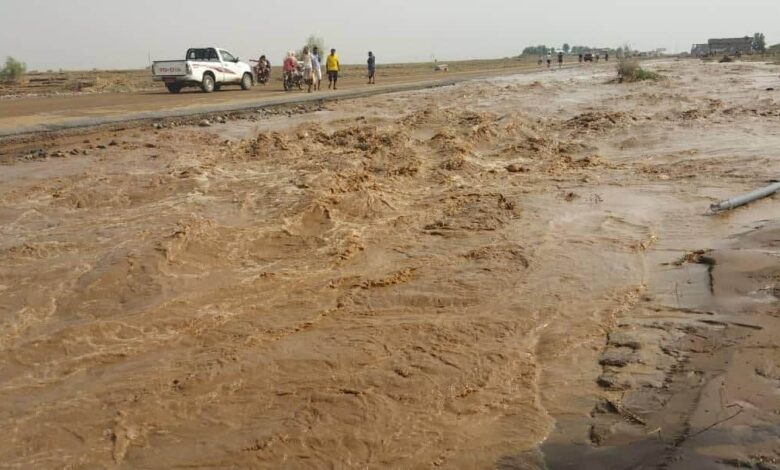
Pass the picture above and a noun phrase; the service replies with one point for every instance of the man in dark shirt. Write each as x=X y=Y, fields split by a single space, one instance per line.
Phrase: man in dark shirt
x=371 y=68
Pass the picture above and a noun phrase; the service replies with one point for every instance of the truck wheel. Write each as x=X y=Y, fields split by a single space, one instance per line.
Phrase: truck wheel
x=174 y=87
x=208 y=83
x=246 y=82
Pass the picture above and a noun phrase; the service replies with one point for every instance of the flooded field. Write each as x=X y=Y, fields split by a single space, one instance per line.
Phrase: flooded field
x=512 y=273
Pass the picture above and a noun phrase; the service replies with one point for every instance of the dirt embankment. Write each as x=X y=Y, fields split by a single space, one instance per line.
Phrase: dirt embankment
x=497 y=273
x=65 y=82
x=34 y=114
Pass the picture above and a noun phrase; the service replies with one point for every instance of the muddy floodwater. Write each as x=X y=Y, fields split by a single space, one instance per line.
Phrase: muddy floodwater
x=511 y=273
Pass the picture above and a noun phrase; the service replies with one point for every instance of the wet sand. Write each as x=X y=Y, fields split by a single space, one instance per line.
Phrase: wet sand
x=512 y=273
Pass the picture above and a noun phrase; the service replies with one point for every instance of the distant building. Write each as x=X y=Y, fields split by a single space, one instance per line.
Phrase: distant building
x=731 y=46
x=700 y=50
x=725 y=46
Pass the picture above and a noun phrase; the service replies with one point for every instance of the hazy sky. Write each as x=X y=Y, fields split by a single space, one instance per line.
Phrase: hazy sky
x=51 y=34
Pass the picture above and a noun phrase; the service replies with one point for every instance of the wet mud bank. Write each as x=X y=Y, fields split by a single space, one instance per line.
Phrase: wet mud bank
x=690 y=376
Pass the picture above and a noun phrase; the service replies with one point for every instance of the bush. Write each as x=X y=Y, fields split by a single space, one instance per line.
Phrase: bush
x=13 y=70
x=642 y=74
x=626 y=68
x=629 y=71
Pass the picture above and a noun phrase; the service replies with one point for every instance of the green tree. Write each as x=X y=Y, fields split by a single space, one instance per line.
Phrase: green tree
x=566 y=47
x=316 y=41
x=13 y=70
x=759 y=42
x=536 y=50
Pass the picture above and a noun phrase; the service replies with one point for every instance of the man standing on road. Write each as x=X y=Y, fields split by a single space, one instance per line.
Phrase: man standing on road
x=332 y=65
x=549 y=60
x=371 y=68
x=316 y=65
x=560 y=59
x=308 y=72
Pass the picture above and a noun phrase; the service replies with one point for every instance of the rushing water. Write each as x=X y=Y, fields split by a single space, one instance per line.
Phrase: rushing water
x=418 y=279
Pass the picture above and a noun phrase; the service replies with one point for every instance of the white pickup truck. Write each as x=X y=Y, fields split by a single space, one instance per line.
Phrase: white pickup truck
x=208 y=68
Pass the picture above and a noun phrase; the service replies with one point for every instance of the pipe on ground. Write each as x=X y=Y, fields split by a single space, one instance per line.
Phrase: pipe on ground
x=734 y=202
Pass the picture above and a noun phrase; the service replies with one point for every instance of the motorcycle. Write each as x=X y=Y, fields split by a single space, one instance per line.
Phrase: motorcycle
x=262 y=74
x=294 y=79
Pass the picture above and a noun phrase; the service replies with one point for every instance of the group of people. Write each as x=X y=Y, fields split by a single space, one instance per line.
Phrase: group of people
x=549 y=59
x=595 y=57
x=310 y=64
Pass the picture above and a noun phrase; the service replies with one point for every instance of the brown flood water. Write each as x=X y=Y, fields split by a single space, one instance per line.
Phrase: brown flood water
x=479 y=276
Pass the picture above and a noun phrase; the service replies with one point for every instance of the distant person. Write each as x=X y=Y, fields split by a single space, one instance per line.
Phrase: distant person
x=560 y=59
x=596 y=56
x=267 y=66
x=549 y=60
x=263 y=68
x=606 y=57
x=580 y=58
x=290 y=62
x=308 y=72
x=332 y=66
x=371 y=68
x=290 y=66
x=316 y=66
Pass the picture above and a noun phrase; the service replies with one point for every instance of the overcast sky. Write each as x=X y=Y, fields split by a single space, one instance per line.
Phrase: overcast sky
x=85 y=34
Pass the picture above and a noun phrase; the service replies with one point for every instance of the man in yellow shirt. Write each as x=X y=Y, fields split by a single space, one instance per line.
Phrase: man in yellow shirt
x=332 y=65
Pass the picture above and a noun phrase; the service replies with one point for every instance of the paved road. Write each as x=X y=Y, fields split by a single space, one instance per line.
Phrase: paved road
x=41 y=114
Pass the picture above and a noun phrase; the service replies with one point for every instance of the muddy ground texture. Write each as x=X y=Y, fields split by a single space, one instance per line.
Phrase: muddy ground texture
x=513 y=273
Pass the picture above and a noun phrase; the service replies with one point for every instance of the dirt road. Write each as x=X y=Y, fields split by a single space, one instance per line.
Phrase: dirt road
x=47 y=113
x=515 y=273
